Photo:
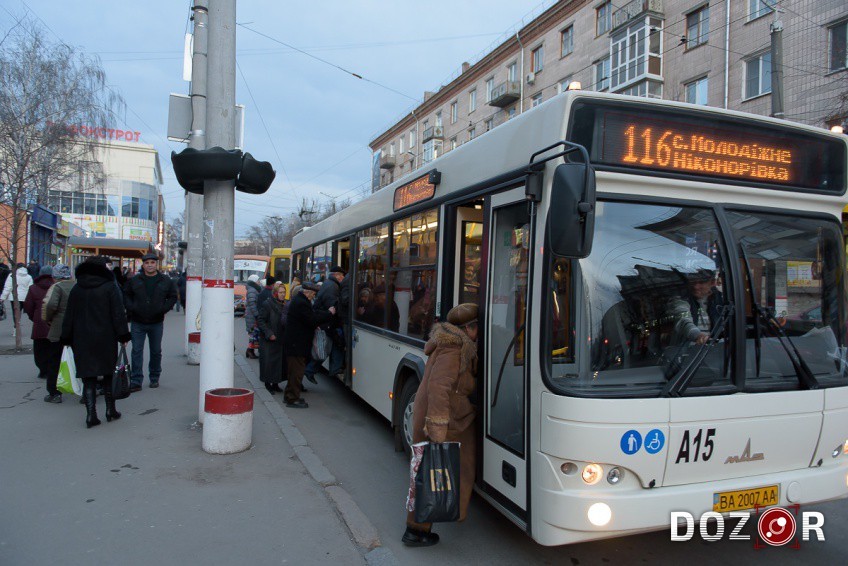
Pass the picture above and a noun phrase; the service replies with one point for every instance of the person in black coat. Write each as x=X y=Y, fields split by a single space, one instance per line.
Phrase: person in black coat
x=94 y=323
x=272 y=352
x=300 y=329
x=181 y=288
x=328 y=296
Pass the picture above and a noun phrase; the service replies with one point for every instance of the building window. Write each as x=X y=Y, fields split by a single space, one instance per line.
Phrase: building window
x=400 y=142
x=602 y=74
x=838 y=51
x=696 y=91
x=472 y=133
x=392 y=149
x=439 y=119
x=490 y=85
x=412 y=137
x=759 y=8
x=490 y=123
x=536 y=57
x=567 y=41
x=537 y=99
x=562 y=86
x=472 y=101
x=603 y=18
x=454 y=112
x=432 y=150
x=636 y=53
x=453 y=142
x=512 y=113
x=512 y=72
x=697 y=27
x=758 y=75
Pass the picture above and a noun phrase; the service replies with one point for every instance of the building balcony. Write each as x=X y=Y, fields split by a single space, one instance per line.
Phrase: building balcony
x=387 y=161
x=634 y=9
x=505 y=94
x=434 y=133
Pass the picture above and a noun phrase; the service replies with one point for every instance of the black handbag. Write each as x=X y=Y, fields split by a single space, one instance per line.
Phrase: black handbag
x=437 y=484
x=121 y=376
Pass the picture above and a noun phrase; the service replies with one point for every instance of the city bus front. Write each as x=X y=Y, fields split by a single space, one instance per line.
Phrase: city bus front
x=694 y=361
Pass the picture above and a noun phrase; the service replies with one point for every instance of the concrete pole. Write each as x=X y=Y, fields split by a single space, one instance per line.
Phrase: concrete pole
x=216 y=345
x=197 y=140
x=777 y=68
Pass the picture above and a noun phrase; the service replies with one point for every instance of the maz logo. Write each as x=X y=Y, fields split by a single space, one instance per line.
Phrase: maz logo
x=746 y=456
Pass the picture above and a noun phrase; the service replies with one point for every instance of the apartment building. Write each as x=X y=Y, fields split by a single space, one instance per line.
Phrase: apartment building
x=714 y=52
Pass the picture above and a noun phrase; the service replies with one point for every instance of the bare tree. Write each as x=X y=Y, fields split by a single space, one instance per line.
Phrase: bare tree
x=54 y=101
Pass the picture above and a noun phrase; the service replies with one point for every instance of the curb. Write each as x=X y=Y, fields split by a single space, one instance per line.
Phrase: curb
x=362 y=531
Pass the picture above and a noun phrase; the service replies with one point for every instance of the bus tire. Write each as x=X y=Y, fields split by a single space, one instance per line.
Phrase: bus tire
x=403 y=430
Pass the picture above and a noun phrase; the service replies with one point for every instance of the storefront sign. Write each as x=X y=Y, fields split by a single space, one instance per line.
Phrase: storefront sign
x=101 y=133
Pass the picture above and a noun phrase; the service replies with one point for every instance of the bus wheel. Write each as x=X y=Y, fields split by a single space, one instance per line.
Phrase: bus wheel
x=403 y=432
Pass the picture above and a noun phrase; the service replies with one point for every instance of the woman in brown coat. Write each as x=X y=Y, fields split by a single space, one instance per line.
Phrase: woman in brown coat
x=442 y=411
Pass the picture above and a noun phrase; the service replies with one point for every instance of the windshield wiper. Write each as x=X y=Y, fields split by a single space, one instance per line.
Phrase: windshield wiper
x=683 y=378
x=802 y=370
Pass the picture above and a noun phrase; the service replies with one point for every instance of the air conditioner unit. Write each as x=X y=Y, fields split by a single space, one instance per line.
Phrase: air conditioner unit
x=531 y=78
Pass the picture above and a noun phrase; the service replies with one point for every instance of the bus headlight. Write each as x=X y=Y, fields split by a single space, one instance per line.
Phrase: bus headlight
x=599 y=514
x=614 y=476
x=592 y=473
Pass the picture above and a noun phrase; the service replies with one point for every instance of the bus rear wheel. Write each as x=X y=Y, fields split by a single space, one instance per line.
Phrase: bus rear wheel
x=403 y=432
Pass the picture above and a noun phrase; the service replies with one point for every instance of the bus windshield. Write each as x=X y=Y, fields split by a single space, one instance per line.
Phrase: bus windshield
x=657 y=302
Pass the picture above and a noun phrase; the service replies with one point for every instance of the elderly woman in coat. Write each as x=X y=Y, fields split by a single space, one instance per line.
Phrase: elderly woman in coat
x=442 y=411
x=251 y=313
x=95 y=321
x=272 y=352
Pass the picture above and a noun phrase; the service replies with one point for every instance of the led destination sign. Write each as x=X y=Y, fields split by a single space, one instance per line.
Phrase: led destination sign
x=688 y=143
x=421 y=189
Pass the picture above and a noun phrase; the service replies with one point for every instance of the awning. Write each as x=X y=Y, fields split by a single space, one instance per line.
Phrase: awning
x=111 y=246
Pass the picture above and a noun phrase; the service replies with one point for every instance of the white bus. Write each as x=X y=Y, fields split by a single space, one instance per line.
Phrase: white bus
x=663 y=309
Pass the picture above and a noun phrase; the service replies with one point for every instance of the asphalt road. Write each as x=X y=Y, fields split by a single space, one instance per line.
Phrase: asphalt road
x=356 y=444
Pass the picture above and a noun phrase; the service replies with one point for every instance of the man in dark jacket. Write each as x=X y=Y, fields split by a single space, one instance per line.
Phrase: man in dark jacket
x=328 y=296
x=301 y=322
x=33 y=268
x=181 y=288
x=148 y=296
x=94 y=323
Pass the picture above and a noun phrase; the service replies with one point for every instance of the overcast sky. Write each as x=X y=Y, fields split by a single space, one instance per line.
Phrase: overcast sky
x=320 y=119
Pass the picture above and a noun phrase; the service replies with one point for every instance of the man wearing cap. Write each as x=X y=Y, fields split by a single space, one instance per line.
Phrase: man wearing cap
x=301 y=322
x=148 y=297
x=328 y=296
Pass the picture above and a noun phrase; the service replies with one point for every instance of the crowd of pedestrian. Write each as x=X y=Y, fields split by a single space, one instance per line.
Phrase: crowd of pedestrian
x=101 y=307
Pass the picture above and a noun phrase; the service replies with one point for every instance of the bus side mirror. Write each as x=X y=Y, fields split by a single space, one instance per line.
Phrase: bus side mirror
x=571 y=217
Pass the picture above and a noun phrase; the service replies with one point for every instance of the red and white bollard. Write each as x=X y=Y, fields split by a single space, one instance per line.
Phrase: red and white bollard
x=194 y=348
x=228 y=422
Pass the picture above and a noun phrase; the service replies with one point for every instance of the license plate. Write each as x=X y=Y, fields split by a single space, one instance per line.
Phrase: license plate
x=725 y=501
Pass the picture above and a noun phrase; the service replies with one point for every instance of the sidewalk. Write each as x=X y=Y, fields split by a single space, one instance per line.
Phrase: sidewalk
x=141 y=491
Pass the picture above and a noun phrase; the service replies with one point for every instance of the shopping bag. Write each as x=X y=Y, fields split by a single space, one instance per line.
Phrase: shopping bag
x=68 y=382
x=437 y=484
x=2 y=310
x=414 y=464
x=320 y=345
x=121 y=376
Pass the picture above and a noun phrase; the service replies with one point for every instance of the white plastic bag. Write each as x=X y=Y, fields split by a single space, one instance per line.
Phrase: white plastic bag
x=68 y=382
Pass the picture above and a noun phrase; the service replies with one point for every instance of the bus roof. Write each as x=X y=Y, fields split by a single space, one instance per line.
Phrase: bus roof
x=504 y=150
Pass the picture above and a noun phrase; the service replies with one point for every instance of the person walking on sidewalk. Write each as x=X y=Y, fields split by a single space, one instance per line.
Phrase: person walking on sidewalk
x=32 y=307
x=442 y=411
x=23 y=281
x=301 y=322
x=272 y=351
x=4 y=274
x=34 y=269
x=251 y=313
x=95 y=321
x=148 y=297
x=53 y=313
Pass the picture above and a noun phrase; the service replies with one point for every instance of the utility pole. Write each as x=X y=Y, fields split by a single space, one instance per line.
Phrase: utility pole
x=216 y=345
x=776 y=65
x=197 y=140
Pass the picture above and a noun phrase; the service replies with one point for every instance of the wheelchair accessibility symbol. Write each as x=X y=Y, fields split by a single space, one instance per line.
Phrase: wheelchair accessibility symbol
x=654 y=441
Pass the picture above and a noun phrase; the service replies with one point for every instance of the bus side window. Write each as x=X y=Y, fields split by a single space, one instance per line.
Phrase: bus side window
x=562 y=347
x=370 y=299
